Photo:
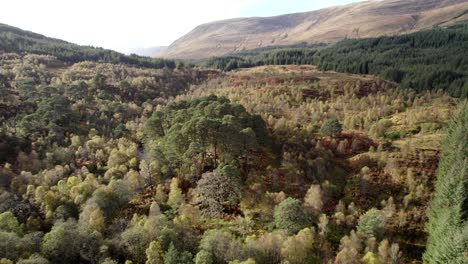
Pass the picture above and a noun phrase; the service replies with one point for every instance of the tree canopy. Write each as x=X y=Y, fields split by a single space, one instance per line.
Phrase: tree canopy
x=331 y=127
x=290 y=215
x=195 y=136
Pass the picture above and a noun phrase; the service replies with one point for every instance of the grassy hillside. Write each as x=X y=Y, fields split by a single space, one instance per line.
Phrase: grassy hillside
x=16 y=40
x=357 y=20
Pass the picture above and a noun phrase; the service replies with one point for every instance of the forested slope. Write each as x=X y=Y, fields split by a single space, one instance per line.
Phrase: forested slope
x=425 y=60
x=16 y=40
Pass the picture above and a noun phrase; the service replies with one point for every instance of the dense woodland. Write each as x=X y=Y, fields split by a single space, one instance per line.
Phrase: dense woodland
x=113 y=163
x=431 y=59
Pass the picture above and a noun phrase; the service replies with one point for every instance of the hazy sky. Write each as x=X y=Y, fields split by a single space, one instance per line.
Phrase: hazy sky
x=124 y=25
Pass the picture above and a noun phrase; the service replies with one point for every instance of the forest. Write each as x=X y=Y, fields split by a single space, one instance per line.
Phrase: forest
x=430 y=59
x=110 y=160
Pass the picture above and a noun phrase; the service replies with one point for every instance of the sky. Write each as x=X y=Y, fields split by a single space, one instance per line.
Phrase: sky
x=125 y=25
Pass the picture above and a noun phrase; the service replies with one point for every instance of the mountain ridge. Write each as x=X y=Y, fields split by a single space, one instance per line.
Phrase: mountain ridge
x=329 y=25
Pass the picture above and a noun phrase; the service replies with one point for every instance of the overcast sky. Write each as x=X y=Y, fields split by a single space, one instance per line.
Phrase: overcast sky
x=125 y=25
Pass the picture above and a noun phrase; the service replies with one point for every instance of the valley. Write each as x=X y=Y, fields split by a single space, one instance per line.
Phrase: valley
x=372 y=163
x=351 y=149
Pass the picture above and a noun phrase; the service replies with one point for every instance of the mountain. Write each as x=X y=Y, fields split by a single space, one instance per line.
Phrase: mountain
x=151 y=51
x=16 y=40
x=357 y=20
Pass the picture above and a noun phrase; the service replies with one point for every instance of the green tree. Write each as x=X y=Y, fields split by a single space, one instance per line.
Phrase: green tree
x=267 y=248
x=290 y=215
x=5 y=261
x=299 y=248
x=154 y=253
x=34 y=259
x=9 y=223
x=176 y=198
x=112 y=197
x=109 y=261
x=97 y=220
x=90 y=246
x=62 y=243
x=219 y=245
x=372 y=223
x=331 y=127
x=10 y=245
x=173 y=256
x=248 y=261
x=32 y=242
x=370 y=258
x=218 y=190
x=203 y=257
x=314 y=199
x=134 y=241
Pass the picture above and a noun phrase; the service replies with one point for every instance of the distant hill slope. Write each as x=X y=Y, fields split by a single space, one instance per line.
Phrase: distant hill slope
x=151 y=51
x=16 y=40
x=358 y=20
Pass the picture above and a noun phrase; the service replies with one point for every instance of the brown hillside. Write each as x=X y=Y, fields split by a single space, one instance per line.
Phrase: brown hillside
x=358 y=20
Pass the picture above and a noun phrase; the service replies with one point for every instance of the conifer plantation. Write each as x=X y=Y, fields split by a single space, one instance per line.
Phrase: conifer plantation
x=448 y=226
